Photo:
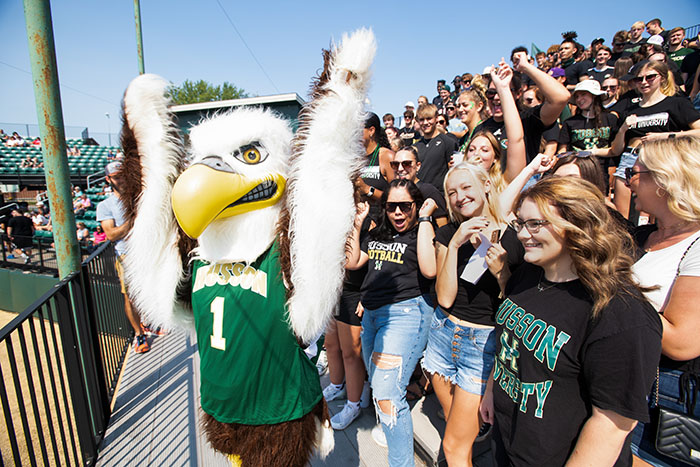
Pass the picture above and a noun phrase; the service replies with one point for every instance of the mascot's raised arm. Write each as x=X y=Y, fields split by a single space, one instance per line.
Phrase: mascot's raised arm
x=244 y=237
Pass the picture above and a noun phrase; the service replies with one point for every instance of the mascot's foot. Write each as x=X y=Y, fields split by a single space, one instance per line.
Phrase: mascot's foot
x=288 y=444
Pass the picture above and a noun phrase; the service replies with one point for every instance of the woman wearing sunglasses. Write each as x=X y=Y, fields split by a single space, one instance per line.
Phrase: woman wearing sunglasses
x=461 y=344
x=665 y=180
x=659 y=115
x=397 y=314
x=577 y=341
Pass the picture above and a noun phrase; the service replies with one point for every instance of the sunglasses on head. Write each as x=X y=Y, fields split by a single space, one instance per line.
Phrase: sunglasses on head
x=648 y=78
x=404 y=206
x=405 y=164
x=581 y=154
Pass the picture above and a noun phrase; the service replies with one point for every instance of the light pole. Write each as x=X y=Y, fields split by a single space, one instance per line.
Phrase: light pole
x=109 y=131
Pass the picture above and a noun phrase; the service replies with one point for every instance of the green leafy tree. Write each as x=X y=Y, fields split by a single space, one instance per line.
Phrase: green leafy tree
x=201 y=91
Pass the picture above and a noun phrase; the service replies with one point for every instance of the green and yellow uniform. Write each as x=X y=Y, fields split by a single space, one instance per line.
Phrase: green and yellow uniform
x=253 y=371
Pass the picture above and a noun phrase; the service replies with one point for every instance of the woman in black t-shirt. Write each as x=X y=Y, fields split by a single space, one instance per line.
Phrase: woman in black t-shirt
x=660 y=114
x=577 y=341
x=397 y=313
x=461 y=344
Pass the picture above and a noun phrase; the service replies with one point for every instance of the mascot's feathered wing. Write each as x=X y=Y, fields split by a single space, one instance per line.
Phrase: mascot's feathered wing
x=270 y=213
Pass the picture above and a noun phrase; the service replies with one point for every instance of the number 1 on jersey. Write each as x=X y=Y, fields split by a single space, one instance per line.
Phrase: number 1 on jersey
x=218 y=341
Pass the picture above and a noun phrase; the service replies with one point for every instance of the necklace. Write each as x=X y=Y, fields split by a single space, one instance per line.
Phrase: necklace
x=542 y=288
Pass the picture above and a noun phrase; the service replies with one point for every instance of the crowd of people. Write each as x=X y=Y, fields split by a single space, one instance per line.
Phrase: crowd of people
x=527 y=243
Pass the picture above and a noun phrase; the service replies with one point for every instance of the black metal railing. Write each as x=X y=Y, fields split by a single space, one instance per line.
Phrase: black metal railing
x=41 y=257
x=691 y=32
x=60 y=360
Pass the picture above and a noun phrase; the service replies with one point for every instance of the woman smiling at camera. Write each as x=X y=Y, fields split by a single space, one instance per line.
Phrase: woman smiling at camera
x=577 y=342
x=397 y=313
x=461 y=344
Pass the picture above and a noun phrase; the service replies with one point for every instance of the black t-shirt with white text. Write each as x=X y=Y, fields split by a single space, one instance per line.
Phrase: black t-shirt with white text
x=477 y=303
x=434 y=155
x=674 y=113
x=393 y=274
x=554 y=362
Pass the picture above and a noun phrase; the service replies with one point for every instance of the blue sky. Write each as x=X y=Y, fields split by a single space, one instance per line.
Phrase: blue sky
x=418 y=43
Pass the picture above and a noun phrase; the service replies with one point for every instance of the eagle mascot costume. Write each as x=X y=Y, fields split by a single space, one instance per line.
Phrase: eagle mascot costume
x=243 y=236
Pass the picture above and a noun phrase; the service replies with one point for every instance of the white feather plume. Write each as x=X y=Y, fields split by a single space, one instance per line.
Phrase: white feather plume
x=321 y=199
x=153 y=265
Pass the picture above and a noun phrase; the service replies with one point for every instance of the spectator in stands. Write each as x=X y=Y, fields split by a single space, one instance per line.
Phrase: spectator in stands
x=601 y=70
x=659 y=115
x=83 y=234
x=471 y=105
x=437 y=99
x=535 y=121
x=676 y=51
x=82 y=204
x=20 y=232
x=445 y=98
x=454 y=124
x=541 y=59
x=37 y=142
x=408 y=133
x=99 y=236
x=636 y=40
x=654 y=29
x=553 y=56
x=618 y=46
x=457 y=84
x=388 y=120
x=610 y=86
x=3 y=136
x=422 y=100
x=391 y=132
x=466 y=81
x=39 y=220
x=531 y=98
x=110 y=214
x=434 y=149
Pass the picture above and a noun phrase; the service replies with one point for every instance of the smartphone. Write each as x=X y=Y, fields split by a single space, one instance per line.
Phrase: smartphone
x=495 y=236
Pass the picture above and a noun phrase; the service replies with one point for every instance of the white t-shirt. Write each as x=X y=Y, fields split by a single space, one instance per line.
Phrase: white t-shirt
x=659 y=268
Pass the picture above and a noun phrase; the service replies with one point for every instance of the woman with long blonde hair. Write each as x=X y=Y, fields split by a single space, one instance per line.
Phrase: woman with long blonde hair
x=461 y=344
x=577 y=341
x=665 y=180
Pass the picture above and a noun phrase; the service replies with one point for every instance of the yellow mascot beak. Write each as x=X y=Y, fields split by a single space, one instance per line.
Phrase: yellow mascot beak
x=202 y=194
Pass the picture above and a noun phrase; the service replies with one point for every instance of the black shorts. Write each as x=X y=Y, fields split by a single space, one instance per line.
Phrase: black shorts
x=347 y=307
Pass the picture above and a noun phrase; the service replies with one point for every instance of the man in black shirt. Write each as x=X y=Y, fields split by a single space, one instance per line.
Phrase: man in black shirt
x=601 y=71
x=20 y=230
x=654 y=28
x=575 y=70
x=434 y=149
x=636 y=39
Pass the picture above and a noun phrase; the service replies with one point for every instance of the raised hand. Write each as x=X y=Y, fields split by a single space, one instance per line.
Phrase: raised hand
x=428 y=208
x=467 y=229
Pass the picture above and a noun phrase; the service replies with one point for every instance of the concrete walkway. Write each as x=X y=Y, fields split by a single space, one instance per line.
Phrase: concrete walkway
x=155 y=419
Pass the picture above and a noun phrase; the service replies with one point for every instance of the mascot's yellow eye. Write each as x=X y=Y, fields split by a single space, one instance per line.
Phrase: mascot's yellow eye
x=251 y=154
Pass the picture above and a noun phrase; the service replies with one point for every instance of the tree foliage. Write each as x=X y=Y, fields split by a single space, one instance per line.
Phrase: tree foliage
x=201 y=91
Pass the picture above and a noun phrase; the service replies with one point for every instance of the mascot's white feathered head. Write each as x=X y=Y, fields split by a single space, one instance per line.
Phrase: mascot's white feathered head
x=229 y=197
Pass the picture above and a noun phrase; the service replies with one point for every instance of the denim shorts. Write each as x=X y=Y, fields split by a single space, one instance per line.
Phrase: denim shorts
x=627 y=160
x=644 y=434
x=460 y=354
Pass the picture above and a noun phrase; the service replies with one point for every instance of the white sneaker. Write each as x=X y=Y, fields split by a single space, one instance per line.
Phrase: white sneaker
x=365 y=398
x=378 y=436
x=345 y=417
x=322 y=363
x=331 y=393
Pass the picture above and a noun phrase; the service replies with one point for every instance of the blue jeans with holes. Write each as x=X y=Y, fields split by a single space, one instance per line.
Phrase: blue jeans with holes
x=399 y=332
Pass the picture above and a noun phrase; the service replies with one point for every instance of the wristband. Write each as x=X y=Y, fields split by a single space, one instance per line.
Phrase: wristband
x=370 y=192
x=425 y=219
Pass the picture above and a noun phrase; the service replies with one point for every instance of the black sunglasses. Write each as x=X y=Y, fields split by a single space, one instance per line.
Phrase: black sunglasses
x=490 y=93
x=629 y=173
x=404 y=206
x=650 y=78
x=405 y=164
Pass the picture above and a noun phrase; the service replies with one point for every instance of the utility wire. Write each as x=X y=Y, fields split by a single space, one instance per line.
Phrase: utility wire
x=62 y=85
x=246 y=46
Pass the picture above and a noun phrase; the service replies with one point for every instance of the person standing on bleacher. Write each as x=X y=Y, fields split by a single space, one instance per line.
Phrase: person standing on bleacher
x=110 y=215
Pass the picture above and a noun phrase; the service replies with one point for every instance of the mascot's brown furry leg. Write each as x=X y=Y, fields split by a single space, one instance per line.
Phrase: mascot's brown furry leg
x=288 y=444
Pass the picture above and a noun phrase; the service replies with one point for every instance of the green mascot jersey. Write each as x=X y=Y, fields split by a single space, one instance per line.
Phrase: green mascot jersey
x=252 y=368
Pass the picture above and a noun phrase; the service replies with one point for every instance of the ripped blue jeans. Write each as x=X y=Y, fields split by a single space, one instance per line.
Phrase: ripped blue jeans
x=393 y=339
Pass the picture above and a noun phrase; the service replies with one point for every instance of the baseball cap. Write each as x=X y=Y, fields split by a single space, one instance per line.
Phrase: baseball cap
x=113 y=167
x=410 y=104
x=634 y=70
x=445 y=87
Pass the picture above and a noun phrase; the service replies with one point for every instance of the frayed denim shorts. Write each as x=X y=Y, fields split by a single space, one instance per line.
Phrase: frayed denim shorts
x=460 y=354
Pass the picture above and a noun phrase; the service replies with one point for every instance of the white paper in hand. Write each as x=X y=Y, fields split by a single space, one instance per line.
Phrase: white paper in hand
x=476 y=267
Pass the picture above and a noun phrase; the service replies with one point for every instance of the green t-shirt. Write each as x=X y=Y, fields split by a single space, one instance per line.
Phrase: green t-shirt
x=253 y=371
